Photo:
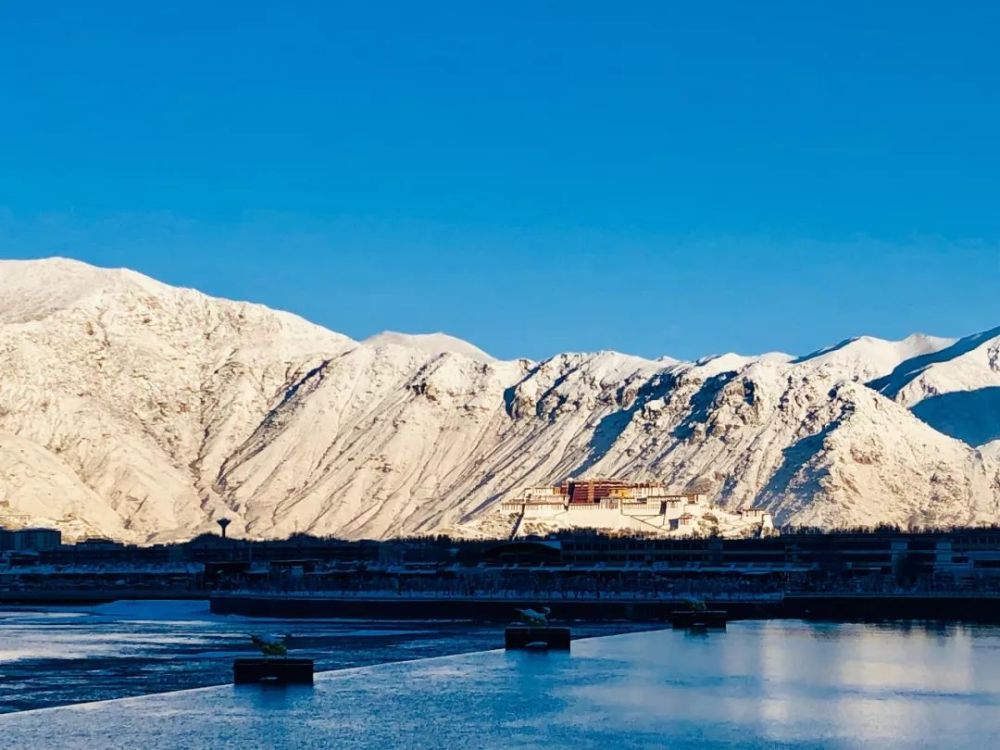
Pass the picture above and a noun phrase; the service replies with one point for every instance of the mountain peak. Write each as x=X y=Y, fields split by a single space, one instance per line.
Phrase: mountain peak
x=869 y=357
x=33 y=289
x=431 y=343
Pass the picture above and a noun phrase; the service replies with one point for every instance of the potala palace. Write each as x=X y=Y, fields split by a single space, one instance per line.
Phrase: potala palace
x=619 y=506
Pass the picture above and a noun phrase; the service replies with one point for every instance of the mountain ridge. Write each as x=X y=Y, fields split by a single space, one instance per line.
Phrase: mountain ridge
x=140 y=411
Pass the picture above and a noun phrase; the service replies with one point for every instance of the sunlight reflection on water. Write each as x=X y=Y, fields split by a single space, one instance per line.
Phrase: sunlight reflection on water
x=757 y=685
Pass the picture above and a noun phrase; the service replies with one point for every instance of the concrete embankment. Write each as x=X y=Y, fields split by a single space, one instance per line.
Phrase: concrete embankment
x=971 y=607
x=841 y=607
x=485 y=609
x=97 y=596
x=981 y=607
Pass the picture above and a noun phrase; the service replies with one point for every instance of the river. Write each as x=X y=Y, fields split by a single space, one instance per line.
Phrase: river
x=758 y=684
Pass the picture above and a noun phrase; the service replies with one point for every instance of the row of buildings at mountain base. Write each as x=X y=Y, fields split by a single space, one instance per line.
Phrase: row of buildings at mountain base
x=568 y=563
x=626 y=507
x=29 y=539
x=856 y=561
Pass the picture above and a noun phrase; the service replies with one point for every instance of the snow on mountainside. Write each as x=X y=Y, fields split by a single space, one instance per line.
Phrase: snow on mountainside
x=432 y=343
x=956 y=390
x=867 y=357
x=991 y=449
x=135 y=410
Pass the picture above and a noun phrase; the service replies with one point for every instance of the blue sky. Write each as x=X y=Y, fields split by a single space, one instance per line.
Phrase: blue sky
x=534 y=177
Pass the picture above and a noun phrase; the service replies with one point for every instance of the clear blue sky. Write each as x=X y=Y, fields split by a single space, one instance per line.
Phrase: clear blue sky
x=657 y=178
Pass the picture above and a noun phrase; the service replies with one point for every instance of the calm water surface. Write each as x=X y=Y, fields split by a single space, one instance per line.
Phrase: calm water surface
x=772 y=684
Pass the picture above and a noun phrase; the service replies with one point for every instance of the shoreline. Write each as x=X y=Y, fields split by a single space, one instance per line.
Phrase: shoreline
x=983 y=608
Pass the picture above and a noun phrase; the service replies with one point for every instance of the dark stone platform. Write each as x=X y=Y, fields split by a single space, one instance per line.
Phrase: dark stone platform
x=709 y=618
x=540 y=637
x=279 y=671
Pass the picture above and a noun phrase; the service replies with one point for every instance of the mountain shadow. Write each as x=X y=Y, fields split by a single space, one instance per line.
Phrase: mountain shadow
x=794 y=457
x=891 y=384
x=821 y=352
x=971 y=416
x=701 y=405
x=611 y=426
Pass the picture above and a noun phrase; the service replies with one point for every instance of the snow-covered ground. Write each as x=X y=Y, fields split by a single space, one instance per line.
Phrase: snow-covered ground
x=143 y=412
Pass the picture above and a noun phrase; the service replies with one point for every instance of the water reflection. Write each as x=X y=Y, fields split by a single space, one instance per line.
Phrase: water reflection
x=798 y=683
x=757 y=685
x=56 y=656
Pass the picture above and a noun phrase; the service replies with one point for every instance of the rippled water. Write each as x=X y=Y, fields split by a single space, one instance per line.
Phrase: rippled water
x=60 y=655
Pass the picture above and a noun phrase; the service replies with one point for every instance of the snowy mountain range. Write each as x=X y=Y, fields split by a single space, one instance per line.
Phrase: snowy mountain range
x=138 y=411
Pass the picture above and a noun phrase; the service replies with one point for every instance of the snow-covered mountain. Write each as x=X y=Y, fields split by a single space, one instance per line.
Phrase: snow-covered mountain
x=139 y=411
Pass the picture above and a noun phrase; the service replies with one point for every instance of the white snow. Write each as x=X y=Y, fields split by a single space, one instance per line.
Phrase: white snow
x=430 y=343
x=991 y=449
x=139 y=411
x=867 y=357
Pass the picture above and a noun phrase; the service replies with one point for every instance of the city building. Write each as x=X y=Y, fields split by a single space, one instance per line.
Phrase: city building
x=29 y=539
x=619 y=506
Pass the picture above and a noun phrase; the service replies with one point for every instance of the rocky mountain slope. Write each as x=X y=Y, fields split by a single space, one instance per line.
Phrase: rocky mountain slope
x=143 y=412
